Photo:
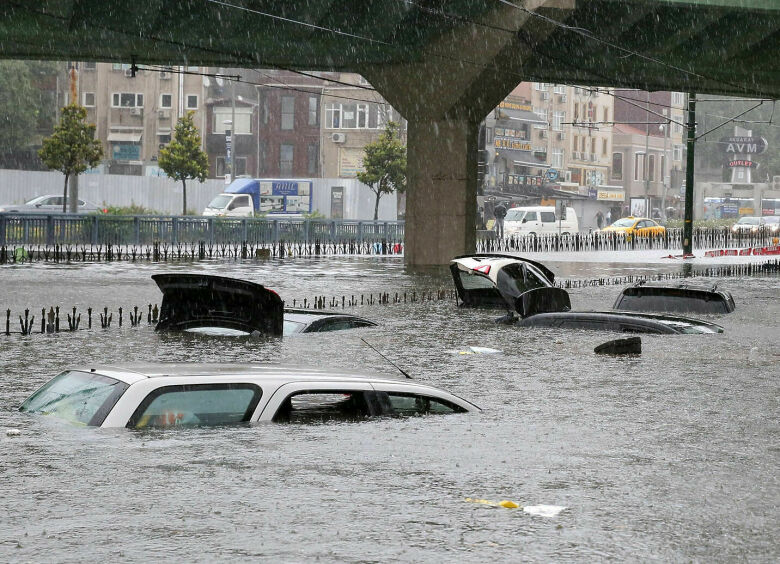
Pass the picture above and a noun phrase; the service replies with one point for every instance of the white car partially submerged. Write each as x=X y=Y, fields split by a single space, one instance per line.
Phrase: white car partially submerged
x=188 y=395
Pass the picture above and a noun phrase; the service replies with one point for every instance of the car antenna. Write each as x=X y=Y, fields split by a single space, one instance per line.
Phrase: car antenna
x=387 y=359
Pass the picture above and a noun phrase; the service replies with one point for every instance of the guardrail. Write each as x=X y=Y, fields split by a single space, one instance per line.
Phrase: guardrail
x=69 y=229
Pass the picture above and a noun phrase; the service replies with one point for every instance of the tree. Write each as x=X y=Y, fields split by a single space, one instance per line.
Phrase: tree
x=72 y=148
x=384 y=163
x=17 y=106
x=183 y=158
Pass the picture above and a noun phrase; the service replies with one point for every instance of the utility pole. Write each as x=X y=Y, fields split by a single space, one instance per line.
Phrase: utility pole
x=689 y=162
x=73 y=191
x=646 y=160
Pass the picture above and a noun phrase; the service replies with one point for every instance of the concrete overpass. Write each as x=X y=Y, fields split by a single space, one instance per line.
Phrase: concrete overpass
x=443 y=65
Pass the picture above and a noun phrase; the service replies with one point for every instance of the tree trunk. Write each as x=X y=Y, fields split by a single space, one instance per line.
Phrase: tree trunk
x=65 y=195
x=376 y=205
x=184 y=197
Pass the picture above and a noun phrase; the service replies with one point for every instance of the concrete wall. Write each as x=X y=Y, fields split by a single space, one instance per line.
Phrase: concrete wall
x=165 y=195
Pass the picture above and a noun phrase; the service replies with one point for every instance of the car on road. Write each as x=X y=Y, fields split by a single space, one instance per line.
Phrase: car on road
x=748 y=224
x=772 y=223
x=191 y=395
x=527 y=288
x=51 y=203
x=218 y=305
x=636 y=227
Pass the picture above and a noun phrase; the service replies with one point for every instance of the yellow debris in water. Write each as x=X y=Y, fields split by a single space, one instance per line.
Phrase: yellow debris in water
x=508 y=504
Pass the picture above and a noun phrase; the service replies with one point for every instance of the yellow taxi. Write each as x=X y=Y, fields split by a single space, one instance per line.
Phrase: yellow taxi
x=636 y=226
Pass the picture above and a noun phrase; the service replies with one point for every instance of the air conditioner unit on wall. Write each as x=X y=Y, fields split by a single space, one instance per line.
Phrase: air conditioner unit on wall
x=136 y=111
x=164 y=75
x=129 y=73
x=164 y=114
x=338 y=137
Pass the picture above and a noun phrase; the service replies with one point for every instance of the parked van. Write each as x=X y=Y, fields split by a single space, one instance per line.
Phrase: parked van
x=540 y=220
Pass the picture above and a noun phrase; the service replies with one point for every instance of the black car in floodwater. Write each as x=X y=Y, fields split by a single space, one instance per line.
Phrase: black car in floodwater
x=683 y=297
x=218 y=305
x=527 y=288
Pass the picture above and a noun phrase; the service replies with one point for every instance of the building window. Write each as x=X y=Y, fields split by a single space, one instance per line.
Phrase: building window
x=541 y=86
x=288 y=113
x=677 y=124
x=541 y=113
x=285 y=160
x=127 y=100
x=243 y=120
x=678 y=99
x=88 y=100
x=593 y=146
x=192 y=69
x=89 y=66
x=606 y=114
x=312 y=157
x=239 y=167
x=678 y=153
x=604 y=148
x=559 y=89
x=558 y=119
x=617 y=166
x=313 y=110
x=639 y=166
x=384 y=115
x=333 y=116
x=164 y=139
x=192 y=101
x=651 y=168
x=557 y=158
x=166 y=101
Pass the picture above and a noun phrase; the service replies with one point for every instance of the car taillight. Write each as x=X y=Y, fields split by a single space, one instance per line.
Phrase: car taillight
x=105 y=210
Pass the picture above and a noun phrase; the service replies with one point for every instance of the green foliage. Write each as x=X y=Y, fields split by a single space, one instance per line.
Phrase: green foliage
x=314 y=215
x=183 y=158
x=702 y=223
x=132 y=209
x=72 y=148
x=384 y=163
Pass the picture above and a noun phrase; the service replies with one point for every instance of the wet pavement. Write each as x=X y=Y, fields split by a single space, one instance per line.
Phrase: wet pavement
x=669 y=456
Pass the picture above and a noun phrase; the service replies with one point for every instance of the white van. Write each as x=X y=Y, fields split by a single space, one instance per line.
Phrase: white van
x=540 y=220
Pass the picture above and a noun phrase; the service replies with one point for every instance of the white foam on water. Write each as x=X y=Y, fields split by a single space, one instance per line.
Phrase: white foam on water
x=543 y=510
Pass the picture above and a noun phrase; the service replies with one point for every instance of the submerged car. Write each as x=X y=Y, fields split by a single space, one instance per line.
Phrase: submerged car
x=683 y=297
x=527 y=288
x=51 y=203
x=218 y=305
x=191 y=395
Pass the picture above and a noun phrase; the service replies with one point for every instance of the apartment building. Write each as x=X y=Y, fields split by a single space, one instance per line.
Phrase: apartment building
x=136 y=112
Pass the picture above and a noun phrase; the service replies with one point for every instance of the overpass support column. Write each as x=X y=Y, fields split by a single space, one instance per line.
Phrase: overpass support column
x=441 y=192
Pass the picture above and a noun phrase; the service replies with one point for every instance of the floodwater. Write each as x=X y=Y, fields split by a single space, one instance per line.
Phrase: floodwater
x=669 y=456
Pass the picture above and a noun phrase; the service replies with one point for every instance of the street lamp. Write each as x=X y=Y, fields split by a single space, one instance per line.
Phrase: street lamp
x=228 y=150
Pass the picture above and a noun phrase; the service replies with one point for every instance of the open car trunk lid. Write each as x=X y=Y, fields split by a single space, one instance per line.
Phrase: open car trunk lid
x=199 y=300
x=682 y=298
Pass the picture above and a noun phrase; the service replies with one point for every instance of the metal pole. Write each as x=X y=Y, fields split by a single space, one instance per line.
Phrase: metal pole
x=645 y=161
x=665 y=160
x=73 y=191
x=688 y=223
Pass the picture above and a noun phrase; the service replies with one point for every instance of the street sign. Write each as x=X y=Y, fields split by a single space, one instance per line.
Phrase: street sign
x=744 y=145
x=551 y=174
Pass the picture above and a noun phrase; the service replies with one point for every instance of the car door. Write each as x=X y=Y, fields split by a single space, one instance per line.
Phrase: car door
x=531 y=223
x=241 y=206
x=548 y=222
x=281 y=406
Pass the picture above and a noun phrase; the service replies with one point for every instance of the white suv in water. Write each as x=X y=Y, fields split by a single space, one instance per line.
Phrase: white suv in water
x=188 y=395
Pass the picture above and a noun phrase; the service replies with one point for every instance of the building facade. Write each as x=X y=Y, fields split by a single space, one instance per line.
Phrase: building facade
x=135 y=112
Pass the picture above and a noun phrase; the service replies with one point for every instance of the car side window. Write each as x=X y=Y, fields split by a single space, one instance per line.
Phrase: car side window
x=406 y=404
x=55 y=201
x=320 y=406
x=240 y=202
x=197 y=404
x=547 y=217
x=530 y=216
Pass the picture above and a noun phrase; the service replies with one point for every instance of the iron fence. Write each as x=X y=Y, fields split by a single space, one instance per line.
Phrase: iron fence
x=66 y=229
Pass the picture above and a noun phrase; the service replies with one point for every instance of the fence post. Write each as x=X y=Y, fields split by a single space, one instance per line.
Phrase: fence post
x=245 y=230
x=49 y=229
x=2 y=229
x=95 y=229
x=175 y=229
x=360 y=232
x=306 y=223
x=333 y=230
x=137 y=229
x=211 y=230
x=276 y=231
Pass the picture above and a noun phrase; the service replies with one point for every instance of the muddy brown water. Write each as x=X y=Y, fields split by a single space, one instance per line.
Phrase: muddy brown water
x=669 y=456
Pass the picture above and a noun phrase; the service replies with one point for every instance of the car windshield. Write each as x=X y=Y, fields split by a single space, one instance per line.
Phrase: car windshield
x=515 y=215
x=82 y=398
x=748 y=220
x=625 y=222
x=291 y=327
x=36 y=200
x=220 y=201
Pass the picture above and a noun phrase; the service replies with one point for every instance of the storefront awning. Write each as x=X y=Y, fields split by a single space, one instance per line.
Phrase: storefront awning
x=124 y=137
x=519 y=115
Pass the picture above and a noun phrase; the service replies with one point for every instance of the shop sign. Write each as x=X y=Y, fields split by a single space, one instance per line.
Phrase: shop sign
x=126 y=152
x=611 y=195
x=512 y=144
x=515 y=106
x=742 y=163
x=744 y=145
x=745 y=211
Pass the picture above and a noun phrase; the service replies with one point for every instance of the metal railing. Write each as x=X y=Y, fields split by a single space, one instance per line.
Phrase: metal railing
x=67 y=229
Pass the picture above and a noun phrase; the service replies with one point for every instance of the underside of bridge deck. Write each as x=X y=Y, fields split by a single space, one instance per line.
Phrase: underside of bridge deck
x=443 y=65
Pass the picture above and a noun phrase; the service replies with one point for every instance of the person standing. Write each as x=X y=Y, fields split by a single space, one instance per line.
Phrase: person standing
x=609 y=217
x=599 y=219
x=500 y=213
